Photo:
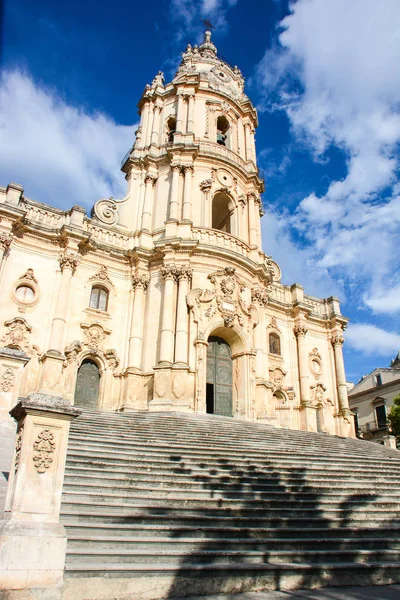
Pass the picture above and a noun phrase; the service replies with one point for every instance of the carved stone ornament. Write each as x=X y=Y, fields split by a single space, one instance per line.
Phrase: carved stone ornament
x=72 y=351
x=259 y=296
x=206 y=185
x=315 y=354
x=178 y=385
x=106 y=210
x=17 y=334
x=158 y=80
x=318 y=394
x=140 y=281
x=44 y=448
x=69 y=260
x=170 y=271
x=18 y=446
x=274 y=269
x=300 y=330
x=5 y=241
x=277 y=377
x=7 y=380
x=274 y=325
x=95 y=334
x=102 y=275
x=315 y=363
x=112 y=358
x=226 y=300
x=337 y=340
x=29 y=276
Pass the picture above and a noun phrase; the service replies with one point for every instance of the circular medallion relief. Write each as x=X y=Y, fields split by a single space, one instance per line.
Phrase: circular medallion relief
x=224 y=178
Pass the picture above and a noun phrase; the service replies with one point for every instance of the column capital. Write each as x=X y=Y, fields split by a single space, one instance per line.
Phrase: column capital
x=150 y=179
x=184 y=272
x=140 y=281
x=206 y=185
x=337 y=340
x=5 y=241
x=300 y=330
x=188 y=168
x=170 y=271
x=175 y=168
x=69 y=260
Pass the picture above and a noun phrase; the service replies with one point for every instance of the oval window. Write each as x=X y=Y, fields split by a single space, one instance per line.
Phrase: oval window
x=24 y=293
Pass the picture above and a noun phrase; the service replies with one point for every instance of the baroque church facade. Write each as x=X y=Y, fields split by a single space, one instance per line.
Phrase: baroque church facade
x=165 y=300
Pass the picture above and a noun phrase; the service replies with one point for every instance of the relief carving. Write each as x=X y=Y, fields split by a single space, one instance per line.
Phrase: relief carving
x=69 y=260
x=18 y=446
x=178 y=385
x=17 y=334
x=44 y=448
x=94 y=334
x=161 y=384
x=102 y=275
x=7 y=380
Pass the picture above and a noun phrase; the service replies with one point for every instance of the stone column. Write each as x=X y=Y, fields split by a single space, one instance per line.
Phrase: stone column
x=139 y=285
x=156 y=125
x=205 y=187
x=300 y=332
x=182 y=318
x=187 y=193
x=32 y=539
x=145 y=123
x=251 y=206
x=190 y=119
x=257 y=218
x=174 y=195
x=247 y=136
x=169 y=273
x=337 y=343
x=148 y=202
x=68 y=262
x=179 y=114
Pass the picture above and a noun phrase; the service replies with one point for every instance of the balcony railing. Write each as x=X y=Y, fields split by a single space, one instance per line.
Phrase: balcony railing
x=372 y=426
x=214 y=237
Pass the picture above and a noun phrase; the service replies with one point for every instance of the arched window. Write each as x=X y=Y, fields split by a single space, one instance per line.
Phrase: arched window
x=171 y=128
x=98 y=297
x=222 y=131
x=274 y=344
x=221 y=215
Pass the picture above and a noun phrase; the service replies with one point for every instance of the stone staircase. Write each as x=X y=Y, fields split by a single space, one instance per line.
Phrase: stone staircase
x=162 y=505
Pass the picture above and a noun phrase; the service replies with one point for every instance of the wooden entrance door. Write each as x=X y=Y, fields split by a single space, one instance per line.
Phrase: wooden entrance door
x=87 y=385
x=219 y=377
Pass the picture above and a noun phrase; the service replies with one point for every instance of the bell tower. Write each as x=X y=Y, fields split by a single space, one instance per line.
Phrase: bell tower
x=193 y=163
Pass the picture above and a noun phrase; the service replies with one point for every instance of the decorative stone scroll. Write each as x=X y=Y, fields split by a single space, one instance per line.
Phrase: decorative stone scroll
x=140 y=281
x=28 y=276
x=274 y=325
x=44 y=448
x=106 y=210
x=95 y=333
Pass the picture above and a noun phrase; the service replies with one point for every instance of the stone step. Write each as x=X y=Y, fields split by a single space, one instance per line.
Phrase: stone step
x=199 y=450
x=322 y=540
x=176 y=439
x=201 y=556
x=93 y=454
x=169 y=467
x=273 y=490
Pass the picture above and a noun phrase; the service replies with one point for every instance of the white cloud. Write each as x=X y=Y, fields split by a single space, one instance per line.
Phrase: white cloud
x=371 y=340
x=61 y=154
x=343 y=57
x=384 y=301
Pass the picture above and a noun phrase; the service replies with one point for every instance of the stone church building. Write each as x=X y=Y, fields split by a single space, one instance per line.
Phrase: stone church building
x=164 y=300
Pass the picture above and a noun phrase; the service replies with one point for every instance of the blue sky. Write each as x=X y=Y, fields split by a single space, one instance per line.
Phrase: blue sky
x=324 y=76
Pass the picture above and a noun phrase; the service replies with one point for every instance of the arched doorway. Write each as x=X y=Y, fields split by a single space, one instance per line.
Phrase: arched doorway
x=219 y=377
x=87 y=385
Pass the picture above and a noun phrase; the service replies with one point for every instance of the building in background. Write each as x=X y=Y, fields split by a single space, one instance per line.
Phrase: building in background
x=164 y=300
x=371 y=399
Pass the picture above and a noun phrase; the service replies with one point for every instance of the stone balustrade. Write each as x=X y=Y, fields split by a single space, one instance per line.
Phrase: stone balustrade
x=214 y=237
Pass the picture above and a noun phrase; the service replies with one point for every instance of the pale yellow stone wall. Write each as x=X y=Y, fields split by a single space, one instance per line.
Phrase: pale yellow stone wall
x=172 y=280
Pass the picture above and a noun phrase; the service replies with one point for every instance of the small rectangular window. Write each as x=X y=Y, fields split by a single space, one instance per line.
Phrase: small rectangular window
x=378 y=379
x=380 y=412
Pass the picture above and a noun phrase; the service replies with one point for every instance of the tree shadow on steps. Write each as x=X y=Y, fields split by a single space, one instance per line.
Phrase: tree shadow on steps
x=244 y=531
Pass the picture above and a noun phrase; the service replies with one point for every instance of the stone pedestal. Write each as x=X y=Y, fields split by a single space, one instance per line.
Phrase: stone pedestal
x=135 y=396
x=12 y=363
x=52 y=373
x=308 y=418
x=32 y=540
